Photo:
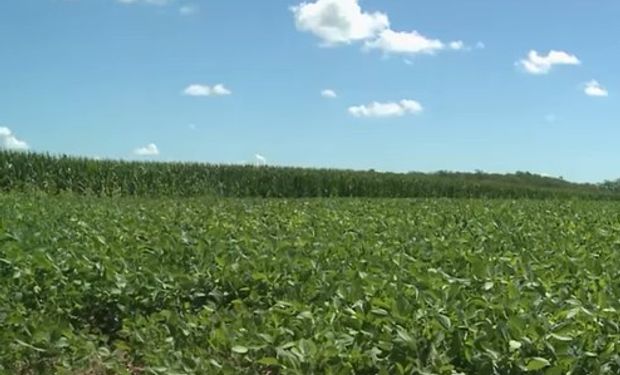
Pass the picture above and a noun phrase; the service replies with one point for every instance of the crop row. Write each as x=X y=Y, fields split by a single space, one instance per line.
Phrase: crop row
x=28 y=172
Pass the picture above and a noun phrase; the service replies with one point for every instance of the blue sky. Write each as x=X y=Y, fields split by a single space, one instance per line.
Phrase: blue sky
x=419 y=85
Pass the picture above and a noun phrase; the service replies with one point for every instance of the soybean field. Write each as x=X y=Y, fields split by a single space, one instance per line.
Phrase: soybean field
x=204 y=285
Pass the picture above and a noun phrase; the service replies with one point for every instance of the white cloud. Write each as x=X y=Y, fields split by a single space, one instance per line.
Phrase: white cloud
x=593 y=88
x=330 y=94
x=8 y=141
x=392 y=109
x=339 y=21
x=536 y=63
x=220 y=90
x=204 y=90
x=148 y=150
x=188 y=10
x=457 y=45
x=390 y=41
x=197 y=90
x=344 y=22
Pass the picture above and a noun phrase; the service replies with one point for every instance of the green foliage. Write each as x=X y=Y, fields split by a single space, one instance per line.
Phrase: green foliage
x=322 y=286
x=29 y=172
x=611 y=186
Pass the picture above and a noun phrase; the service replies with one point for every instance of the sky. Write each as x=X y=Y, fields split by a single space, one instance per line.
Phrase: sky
x=415 y=85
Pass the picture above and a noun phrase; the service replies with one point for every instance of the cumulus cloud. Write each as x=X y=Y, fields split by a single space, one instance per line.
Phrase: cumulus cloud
x=390 y=41
x=593 y=88
x=339 y=21
x=8 y=141
x=344 y=22
x=390 y=109
x=197 y=90
x=148 y=150
x=205 y=90
x=457 y=45
x=536 y=63
x=330 y=94
x=220 y=90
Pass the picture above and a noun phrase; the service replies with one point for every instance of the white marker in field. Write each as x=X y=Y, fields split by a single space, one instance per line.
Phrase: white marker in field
x=260 y=160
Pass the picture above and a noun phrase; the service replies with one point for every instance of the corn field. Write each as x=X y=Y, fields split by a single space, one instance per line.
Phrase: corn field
x=55 y=174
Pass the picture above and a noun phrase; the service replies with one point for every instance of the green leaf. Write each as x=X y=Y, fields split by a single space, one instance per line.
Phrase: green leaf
x=404 y=336
x=23 y=343
x=304 y=315
x=215 y=363
x=444 y=321
x=537 y=363
x=560 y=337
x=380 y=312
x=239 y=349
x=268 y=361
